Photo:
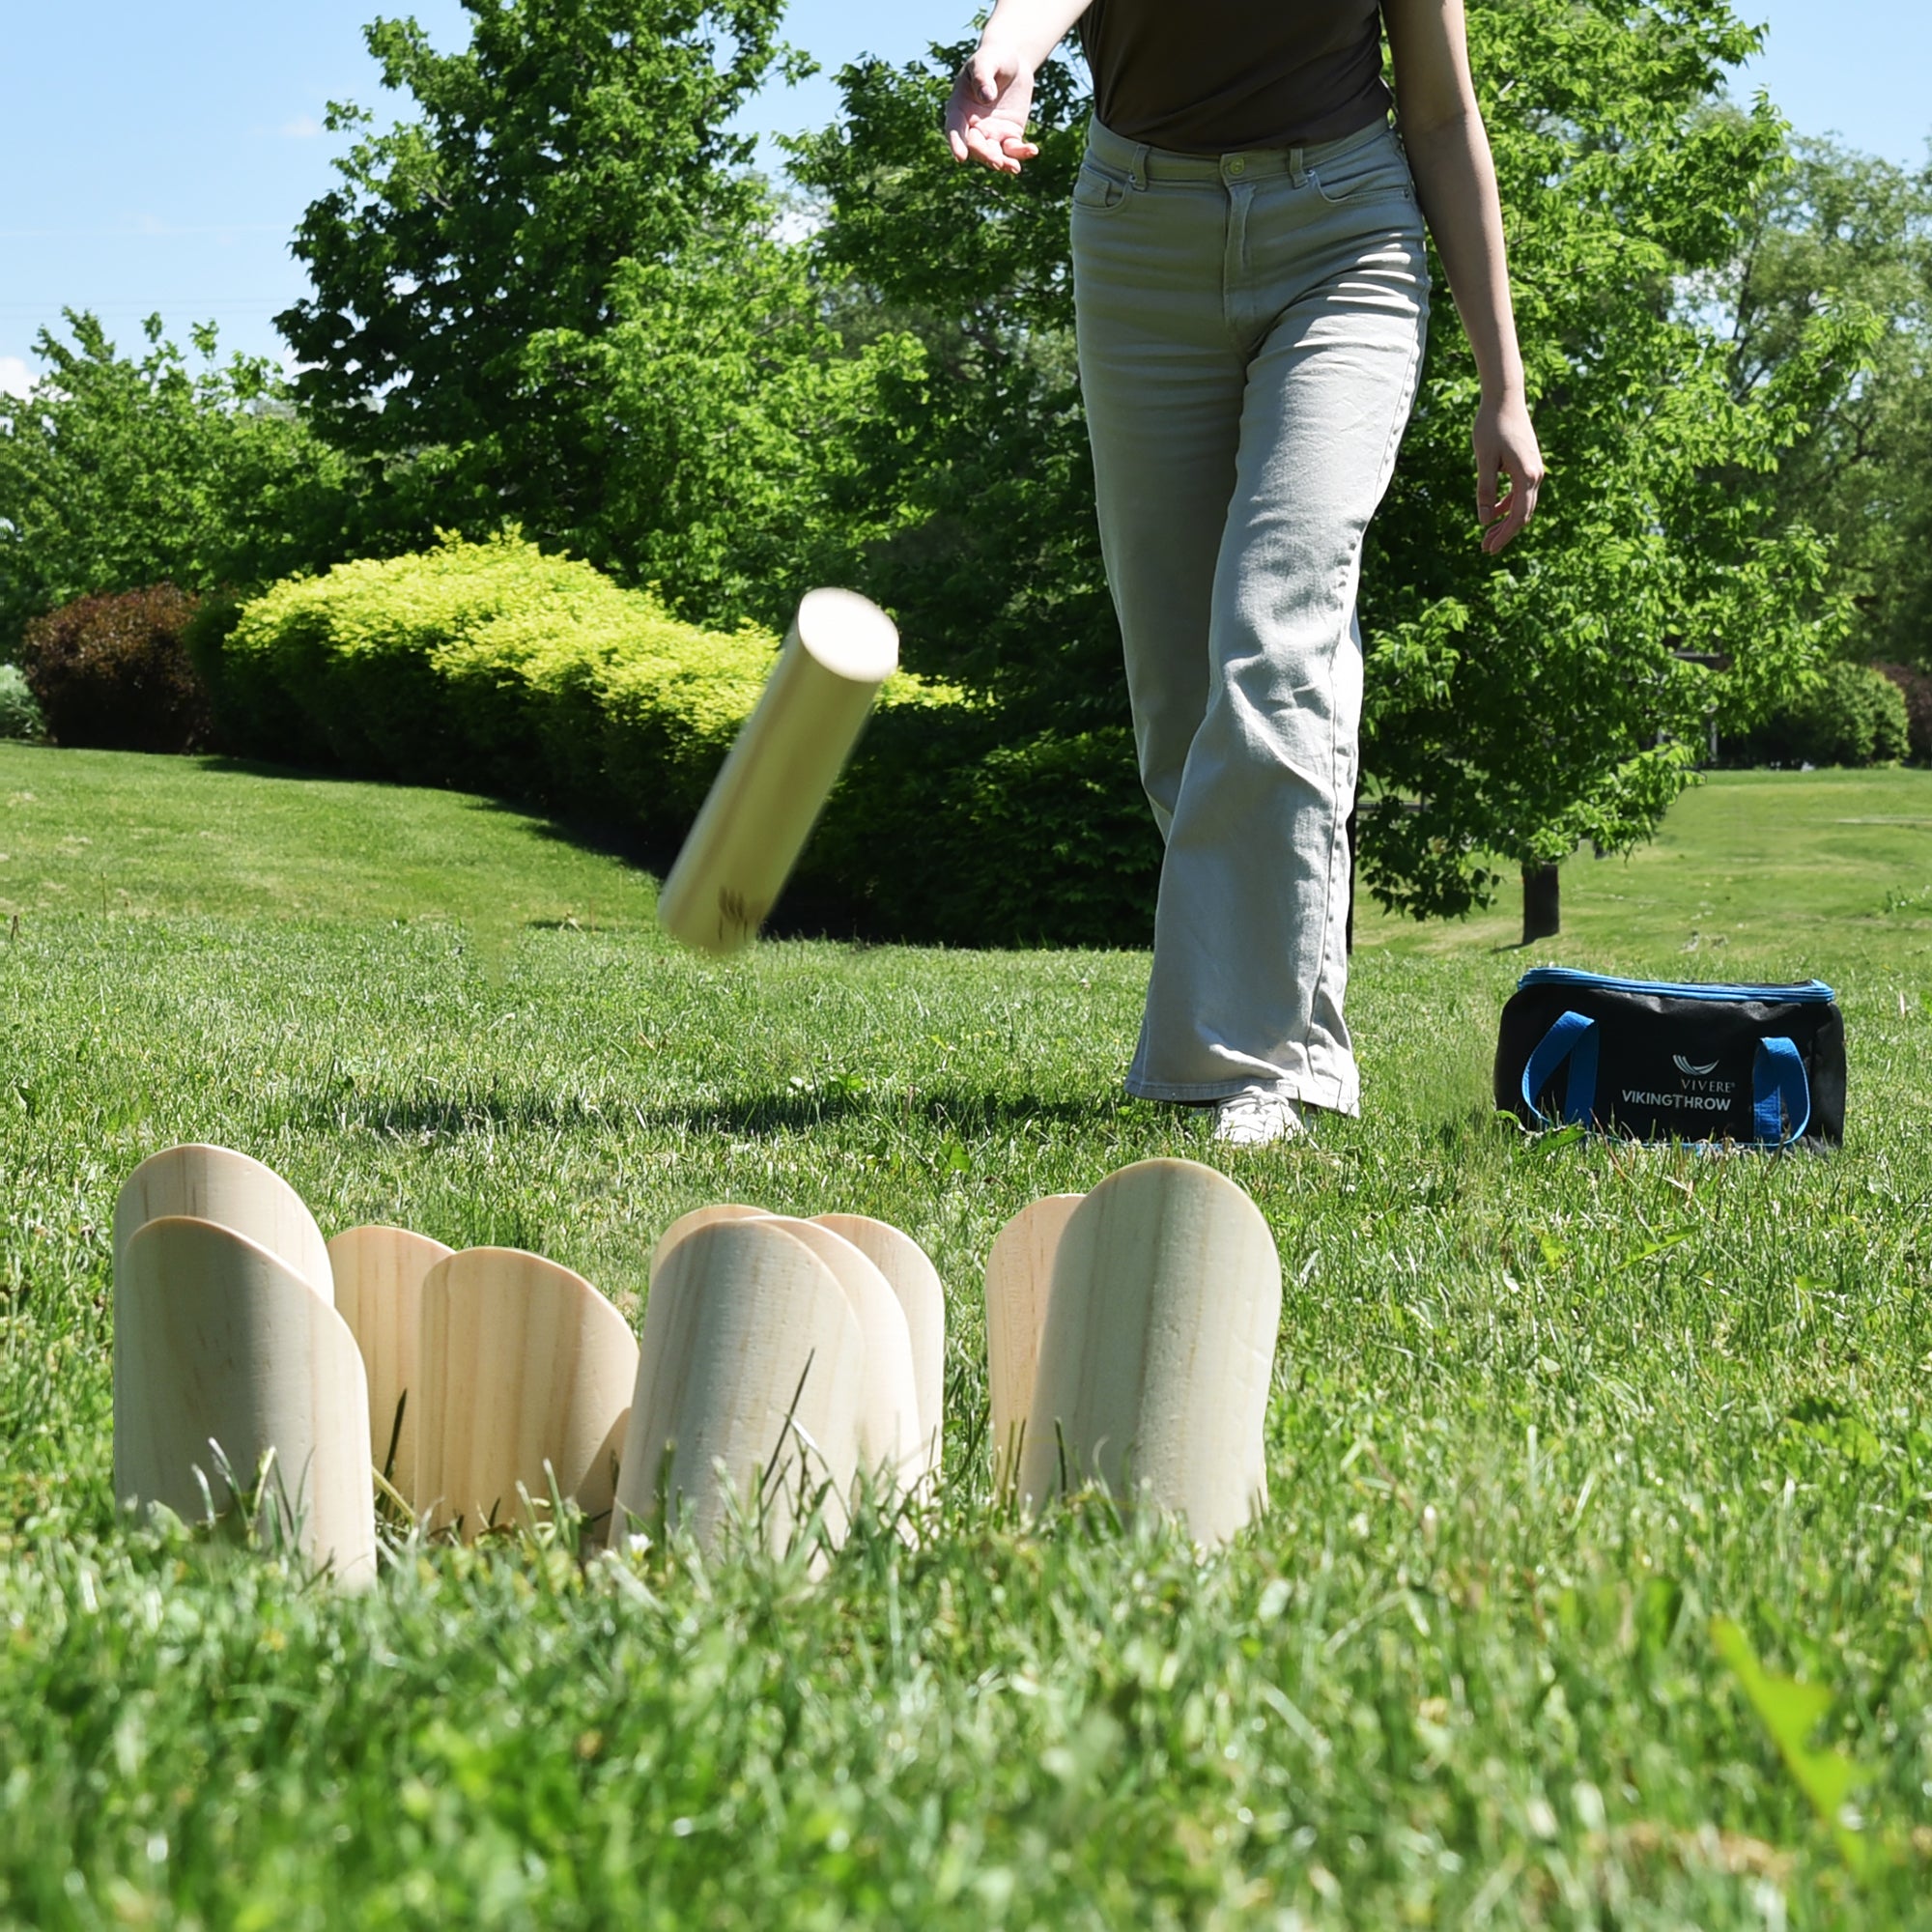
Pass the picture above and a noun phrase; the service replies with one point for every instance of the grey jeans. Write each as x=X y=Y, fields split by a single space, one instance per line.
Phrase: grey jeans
x=1251 y=329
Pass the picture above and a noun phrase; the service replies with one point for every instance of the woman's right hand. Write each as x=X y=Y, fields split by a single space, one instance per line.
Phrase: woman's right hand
x=987 y=116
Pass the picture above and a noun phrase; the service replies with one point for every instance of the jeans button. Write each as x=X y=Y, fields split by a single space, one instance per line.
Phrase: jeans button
x=1237 y=166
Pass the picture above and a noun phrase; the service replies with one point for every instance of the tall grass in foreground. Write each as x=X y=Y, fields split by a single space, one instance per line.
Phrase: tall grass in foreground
x=1596 y=1585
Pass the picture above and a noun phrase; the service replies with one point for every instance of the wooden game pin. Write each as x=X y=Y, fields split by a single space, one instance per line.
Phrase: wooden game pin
x=891 y=1447
x=220 y=1344
x=778 y=773
x=748 y=1385
x=212 y=1183
x=1019 y=1273
x=378 y=1277
x=915 y=1282
x=522 y=1364
x=700 y=1217
x=1159 y=1349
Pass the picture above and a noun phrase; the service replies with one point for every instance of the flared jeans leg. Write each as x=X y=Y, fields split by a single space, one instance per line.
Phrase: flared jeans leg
x=1250 y=333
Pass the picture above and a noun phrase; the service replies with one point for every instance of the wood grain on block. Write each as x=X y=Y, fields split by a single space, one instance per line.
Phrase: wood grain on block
x=1019 y=1272
x=779 y=772
x=1159 y=1349
x=915 y=1282
x=212 y=1183
x=378 y=1277
x=748 y=1387
x=891 y=1447
x=522 y=1364
x=218 y=1341
x=700 y=1217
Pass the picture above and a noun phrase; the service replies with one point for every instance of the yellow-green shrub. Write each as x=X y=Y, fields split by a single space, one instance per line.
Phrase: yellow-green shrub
x=497 y=668
x=493 y=666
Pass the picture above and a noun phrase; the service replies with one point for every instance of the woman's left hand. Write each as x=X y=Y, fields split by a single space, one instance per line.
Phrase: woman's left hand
x=1506 y=449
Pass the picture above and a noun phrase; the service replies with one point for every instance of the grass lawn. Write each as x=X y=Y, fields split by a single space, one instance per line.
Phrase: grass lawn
x=1546 y=1417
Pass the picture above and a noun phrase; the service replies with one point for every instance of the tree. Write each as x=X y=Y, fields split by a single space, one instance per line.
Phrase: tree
x=994 y=562
x=505 y=285
x=735 y=411
x=119 y=472
x=1839 y=226
x=1515 y=706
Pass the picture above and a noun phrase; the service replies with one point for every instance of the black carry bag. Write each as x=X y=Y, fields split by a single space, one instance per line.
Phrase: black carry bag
x=1760 y=1066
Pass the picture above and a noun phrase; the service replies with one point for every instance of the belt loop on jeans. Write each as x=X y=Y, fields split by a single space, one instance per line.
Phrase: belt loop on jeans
x=1137 y=170
x=1298 y=171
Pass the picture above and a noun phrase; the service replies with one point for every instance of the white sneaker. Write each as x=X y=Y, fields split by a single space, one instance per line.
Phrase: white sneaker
x=1254 y=1119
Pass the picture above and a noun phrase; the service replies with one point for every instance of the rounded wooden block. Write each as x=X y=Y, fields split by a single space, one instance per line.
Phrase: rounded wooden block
x=522 y=1364
x=219 y=1341
x=378 y=1277
x=700 y=1217
x=891 y=1447
x=915 y=1282
x=778 y=773
x=1159 y=1349
x=212 y=1183
x=751 y=1372
x=1019 y=1272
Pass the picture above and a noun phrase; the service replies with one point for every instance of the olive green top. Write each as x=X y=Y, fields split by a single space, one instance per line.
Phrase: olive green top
x=1217 y=74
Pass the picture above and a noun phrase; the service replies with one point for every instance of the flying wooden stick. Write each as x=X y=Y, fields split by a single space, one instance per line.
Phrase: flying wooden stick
x=749 y=1385
x=915 y=1282
x=212 y=1183
x=775 y=780
x=1019 y=1273
x=223 y=1355
x=522 y=1364
x=378 y=1277
x=892 y=1452
x=1159 y=1349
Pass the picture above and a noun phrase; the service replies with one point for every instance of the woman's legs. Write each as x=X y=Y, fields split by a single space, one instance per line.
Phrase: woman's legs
x=1305 y=274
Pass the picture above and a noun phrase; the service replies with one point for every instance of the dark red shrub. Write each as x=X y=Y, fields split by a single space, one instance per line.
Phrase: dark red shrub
x=112 y=672
x=1917 y=686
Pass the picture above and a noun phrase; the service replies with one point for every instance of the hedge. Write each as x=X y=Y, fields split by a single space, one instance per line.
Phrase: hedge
x=19 y=711
x=1853 y=715
x=111 y=672
x=497 y=668
x=1914 y=686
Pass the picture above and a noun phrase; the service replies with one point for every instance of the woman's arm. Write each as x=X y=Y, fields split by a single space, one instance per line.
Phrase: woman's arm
x=986 y=118
x=1449 y=151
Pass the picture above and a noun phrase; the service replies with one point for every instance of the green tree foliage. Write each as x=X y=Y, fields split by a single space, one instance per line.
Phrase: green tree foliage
x=120 y=471
x=1841 y=226
x=994 y=562
x=556 y=300
x=1520 y=706
x=1515 y=706
x=739 y=414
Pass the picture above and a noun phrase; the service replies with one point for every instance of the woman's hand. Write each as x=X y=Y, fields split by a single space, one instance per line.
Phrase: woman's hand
x=986 y=118
x=1506 y=448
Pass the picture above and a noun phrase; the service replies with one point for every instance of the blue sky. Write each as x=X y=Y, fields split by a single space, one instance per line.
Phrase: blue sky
x=156 y=158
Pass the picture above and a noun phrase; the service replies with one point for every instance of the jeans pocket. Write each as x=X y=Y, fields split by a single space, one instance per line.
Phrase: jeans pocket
x=1364 y=175
x=1100 y=190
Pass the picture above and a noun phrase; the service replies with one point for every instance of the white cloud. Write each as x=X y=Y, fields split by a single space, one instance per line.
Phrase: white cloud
x=303 y=127
x=15 y=378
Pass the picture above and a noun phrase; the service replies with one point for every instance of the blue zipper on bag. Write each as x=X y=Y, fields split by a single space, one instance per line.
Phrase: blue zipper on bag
x=1809 y=993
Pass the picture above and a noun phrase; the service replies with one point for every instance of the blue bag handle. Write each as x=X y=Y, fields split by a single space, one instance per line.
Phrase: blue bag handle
x=1573 y=1039
x=1779 y=1090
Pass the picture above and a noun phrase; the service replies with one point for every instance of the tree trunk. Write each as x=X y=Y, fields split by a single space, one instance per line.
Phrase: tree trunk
x=1542 y=907
x=1354 y=855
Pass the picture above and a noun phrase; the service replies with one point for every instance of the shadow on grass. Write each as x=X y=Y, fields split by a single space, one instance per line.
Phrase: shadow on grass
x=802 y=913
x=422 y=1116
